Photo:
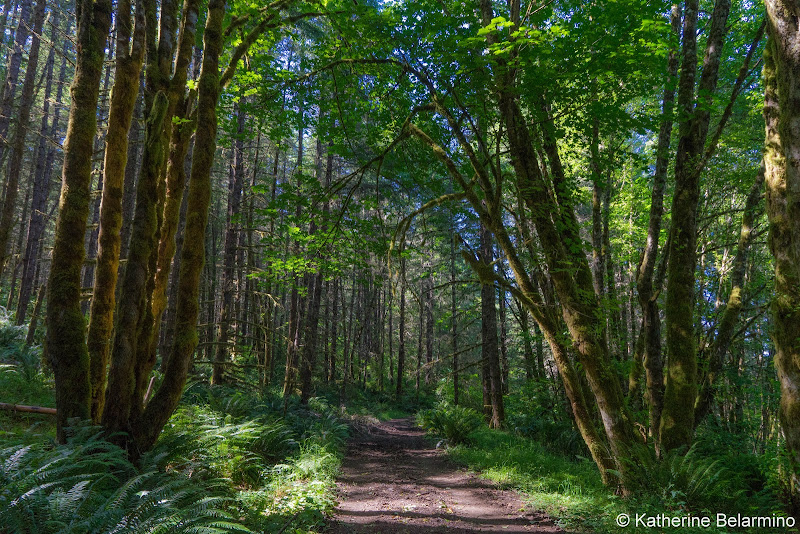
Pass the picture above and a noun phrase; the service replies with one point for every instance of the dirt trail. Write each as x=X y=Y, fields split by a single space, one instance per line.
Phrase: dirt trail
x=393 y=482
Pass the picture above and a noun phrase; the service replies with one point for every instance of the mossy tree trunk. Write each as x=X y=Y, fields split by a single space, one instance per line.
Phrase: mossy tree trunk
x=130 y=56
x=180 y=132
x=782 y=176
x=133 y=314
x=493 y=409
x=649 y=350
x=65 y=340
x=148 y=426
x=564 y=254
x=677 y=417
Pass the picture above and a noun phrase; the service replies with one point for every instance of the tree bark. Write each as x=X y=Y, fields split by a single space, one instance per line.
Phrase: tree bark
x=130 y=56
x=401 y=348
x=782 y=176
x=66 y=330
x=428 y=290
x=677 y=417
x=11 y=188
x=563 y=251
x=453 y=309
x=12 y=75
x=312 y=319
x=132 y=168
x=179 y=134
x=228 y=282
x=41 y=183
x=295 y=301
x=493 y=408
x=160 y=408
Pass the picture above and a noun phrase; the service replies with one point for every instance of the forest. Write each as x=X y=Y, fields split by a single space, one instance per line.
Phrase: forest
x=247 y=246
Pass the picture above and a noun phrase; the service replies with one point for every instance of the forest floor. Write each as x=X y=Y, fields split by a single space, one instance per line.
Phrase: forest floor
x=394 y=481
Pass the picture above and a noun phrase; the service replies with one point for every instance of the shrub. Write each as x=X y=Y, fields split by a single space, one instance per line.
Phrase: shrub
x=453 y=423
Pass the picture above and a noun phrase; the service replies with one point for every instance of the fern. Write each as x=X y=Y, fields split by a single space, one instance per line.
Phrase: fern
x=89 y=486
x=453 y=423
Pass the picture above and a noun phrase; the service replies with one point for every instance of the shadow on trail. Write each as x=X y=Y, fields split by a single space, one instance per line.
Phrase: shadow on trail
x=393 y=482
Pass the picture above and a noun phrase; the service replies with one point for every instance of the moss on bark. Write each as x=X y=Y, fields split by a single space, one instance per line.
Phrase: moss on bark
x=782 y=176
x=65 y=341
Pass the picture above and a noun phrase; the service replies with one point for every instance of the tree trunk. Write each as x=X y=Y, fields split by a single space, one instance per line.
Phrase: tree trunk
x=677 y=417
x=401 y=348
x=504 y=368
x=334 y=326
x=132 y=169
x=9 y=6
x=295 y=301
x=782 y=176
x=66 y=330
x=12 y=76
x=228 y=282
x=94 y=227
x=453 y=309
x=531 y=370
x=41 y=184
x=493 y=408
x=130 y=55
x=428 y=287
x=179 y=136
x=312 y=319
x=37 y=309
x=131 y=361
x=11 y=188
x=164 y=401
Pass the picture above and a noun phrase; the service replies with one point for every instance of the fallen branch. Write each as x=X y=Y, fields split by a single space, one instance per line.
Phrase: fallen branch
x=30 y=409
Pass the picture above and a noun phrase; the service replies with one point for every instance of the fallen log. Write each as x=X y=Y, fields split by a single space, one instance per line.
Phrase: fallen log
x=29 y=409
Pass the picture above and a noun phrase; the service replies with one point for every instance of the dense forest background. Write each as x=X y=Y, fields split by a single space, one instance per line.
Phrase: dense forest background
x=563 y=215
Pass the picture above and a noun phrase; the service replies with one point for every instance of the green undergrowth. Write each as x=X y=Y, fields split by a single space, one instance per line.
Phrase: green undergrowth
x=22 y=381
x=454 y=424
x=569 y=489
x=381 y=405
x=227 y=461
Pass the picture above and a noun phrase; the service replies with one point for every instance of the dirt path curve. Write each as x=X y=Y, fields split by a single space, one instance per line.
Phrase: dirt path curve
x=393 y=482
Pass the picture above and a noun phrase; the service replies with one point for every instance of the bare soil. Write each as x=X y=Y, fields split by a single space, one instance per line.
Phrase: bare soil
x=394 y=481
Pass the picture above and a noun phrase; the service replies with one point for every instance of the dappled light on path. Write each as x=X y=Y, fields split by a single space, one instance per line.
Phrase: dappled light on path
x=393 y=481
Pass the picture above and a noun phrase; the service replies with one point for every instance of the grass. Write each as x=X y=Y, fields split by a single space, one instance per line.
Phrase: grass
x=571 y=492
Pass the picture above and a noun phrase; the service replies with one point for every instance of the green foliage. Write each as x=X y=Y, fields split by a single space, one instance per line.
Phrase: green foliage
x=691 y=481
x=570 y=490
x=220 y=446
x=386 y=405
x=533 y=412
x=453 y=423
x=227 y=461
x=22 y=381
x=90 y=486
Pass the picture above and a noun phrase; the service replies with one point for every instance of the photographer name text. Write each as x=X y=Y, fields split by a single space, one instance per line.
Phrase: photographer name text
x=720 y=520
